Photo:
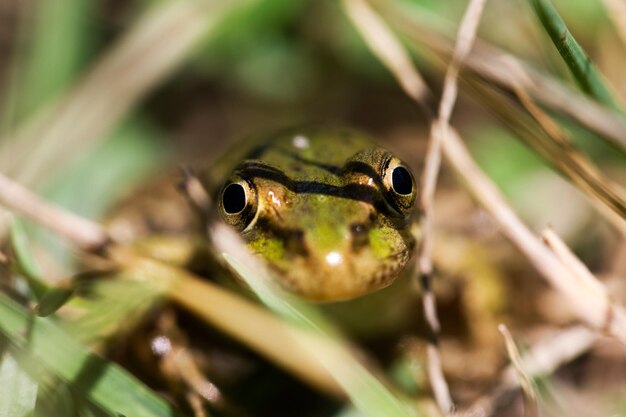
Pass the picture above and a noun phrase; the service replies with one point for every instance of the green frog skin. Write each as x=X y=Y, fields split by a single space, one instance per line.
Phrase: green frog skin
x=328 y=209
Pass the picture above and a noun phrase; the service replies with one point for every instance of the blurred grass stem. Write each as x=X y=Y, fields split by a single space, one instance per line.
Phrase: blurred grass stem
x=82 y=232
x=585 y=72
x=384 y=44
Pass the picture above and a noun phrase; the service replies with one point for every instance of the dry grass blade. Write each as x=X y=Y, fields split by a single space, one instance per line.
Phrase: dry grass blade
x=80 y=231
x=591 y=309
x=439 y=129
x=578 y=268
x=508 y=71
x=246 y=322
x=523 y=378
x=152 y=49
x=388 y=49
x=537 y=130
x=541 y=359
x=547 y=356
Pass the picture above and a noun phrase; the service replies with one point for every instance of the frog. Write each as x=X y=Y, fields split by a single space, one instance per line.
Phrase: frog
x=330 y=211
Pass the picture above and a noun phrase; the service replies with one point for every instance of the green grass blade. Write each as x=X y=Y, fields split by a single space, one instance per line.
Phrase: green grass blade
x=25 y=261
x=60 y=40
x=585 y=72
x=53 y=300
x=18 y=393
x=115 y=304
x=103 y=383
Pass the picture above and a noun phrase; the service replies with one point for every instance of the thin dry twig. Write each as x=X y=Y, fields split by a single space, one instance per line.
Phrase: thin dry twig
x=384 y=44
x=387 y=48
x=177 y=361
x=541 y=359
x=524 y=380
x=84 y=233
x=565 y=254
x=195 y=192
x=607 y=196
x=539 y=131
x=439 y=128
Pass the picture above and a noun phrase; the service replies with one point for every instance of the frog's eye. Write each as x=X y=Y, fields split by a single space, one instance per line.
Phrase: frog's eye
x=238 y=202
x=399 y=183
x=401 y=180
x=234 y=198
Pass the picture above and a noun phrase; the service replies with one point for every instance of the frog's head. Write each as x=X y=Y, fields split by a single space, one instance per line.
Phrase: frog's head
x=328 y=210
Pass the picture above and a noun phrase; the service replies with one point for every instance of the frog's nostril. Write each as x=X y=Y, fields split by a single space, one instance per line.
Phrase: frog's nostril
x=360 y=235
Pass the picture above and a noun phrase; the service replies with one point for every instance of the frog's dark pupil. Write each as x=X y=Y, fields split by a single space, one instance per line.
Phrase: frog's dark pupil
x=234 y=198
x=401 y=181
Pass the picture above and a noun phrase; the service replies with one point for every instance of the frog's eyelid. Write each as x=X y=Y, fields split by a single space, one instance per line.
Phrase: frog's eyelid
x=385 y=165
x=254 y=169
x=360 y=167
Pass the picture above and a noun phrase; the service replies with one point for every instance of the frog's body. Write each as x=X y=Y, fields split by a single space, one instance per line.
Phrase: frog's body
x=329 y=210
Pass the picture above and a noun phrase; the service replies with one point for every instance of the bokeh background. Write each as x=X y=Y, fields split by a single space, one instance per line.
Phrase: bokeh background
x=98 y=97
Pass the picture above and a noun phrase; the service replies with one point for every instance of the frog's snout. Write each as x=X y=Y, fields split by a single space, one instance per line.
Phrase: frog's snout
x=329 y=263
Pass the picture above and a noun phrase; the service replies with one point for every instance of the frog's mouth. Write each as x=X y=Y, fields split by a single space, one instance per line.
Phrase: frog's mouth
x=337 y=277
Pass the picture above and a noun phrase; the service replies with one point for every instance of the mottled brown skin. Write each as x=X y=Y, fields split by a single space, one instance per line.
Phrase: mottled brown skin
x=322 y=208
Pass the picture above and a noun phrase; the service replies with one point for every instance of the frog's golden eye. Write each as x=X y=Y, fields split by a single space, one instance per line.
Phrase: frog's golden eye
x=238 y=202
x=399 y=183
